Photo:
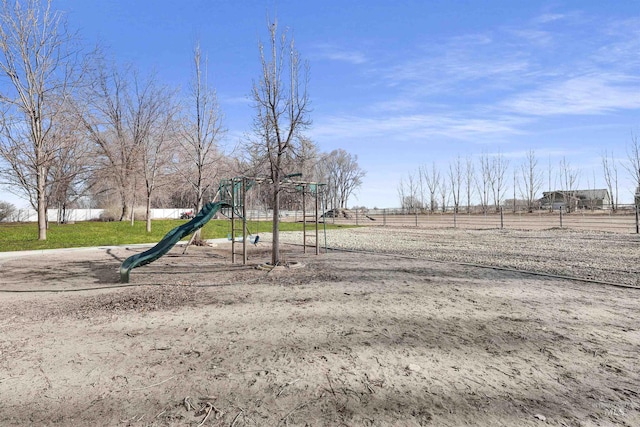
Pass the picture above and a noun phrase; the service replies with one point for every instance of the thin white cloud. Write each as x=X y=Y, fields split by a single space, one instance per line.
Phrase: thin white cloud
x=235 y=100
x=541 y=154
x=594 y=94
x=444 y=67
x=620 y=45
x=548 y=17
x=394 y=106
x=536 y=37
x=336 y=53
x=416 y=127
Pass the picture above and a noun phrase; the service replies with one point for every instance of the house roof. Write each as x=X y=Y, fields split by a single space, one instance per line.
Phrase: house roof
x=599 y=194
x=593 y=194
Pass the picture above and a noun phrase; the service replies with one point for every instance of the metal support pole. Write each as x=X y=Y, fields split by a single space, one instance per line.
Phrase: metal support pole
x=416 y=215
x=560 y=216
x=244 y=221
x=304 y=223
x=233 y=223
x=637 y=223
x=501 y=218
x=317 y=241
x=324 y=220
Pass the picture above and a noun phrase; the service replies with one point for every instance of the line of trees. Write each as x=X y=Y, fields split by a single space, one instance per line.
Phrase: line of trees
x=78 y=129
x=482 y=181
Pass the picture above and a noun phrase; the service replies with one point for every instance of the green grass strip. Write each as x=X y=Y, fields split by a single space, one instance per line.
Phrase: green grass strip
x=24 y=236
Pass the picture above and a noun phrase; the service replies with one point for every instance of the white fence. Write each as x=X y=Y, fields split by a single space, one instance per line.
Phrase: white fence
x=72 y=215
x=30 y=215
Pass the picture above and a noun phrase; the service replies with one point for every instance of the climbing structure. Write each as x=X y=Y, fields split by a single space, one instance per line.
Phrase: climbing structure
x=232 y=203
x=233 y=192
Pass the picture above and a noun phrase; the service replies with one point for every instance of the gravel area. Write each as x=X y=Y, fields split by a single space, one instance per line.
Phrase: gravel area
x=594 y=255
x=358 y=339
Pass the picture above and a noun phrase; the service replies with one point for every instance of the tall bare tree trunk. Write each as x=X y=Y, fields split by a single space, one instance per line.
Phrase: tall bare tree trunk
x=42 y=204
x=201 y=134
x=148 y=214
x=275 y=241
x=281 y=114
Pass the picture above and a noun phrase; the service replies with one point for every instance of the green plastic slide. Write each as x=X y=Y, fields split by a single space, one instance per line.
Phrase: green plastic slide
x=170 y=240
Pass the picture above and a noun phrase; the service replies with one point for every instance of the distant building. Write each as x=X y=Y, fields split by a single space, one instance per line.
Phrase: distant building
x=576 y=199
x=520 y=204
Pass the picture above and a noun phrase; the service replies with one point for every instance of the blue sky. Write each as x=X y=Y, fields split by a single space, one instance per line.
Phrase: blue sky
x=405 y=83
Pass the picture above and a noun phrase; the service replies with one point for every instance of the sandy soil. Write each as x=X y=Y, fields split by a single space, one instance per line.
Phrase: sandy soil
x=350 y=339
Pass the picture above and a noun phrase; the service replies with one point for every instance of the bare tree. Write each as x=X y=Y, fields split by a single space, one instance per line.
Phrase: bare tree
x=71 y=168
x=610 y=169
x=469 y=179
x=591 y=185
x=402 y=193
x=531 y=179
x=304 y=159
x=455 y=181
x=281 y=103
x=112 y=121
x=323 y=174
x=497 y=169
x=201 y=134
x=515 y=177
x=156 y=143
x=550 y=189
x=307 y=157
x=568 y=183
x=432 y=181
x=347 y=175
x=7 y=210
x=37 y=58
x=443 y=190
x=483 y=181
x=632 y=165
x=422 y=189
x=409 y=194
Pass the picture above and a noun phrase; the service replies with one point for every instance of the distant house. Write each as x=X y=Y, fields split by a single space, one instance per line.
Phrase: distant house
x=520 y=204
x=576 y=199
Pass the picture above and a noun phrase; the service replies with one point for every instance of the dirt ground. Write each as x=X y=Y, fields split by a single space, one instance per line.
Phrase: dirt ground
x=349 y=339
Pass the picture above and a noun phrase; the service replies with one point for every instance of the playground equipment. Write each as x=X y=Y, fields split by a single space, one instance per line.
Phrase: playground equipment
x=170 y=240
x=314 y=189
x=234 y=192
x=233 y=197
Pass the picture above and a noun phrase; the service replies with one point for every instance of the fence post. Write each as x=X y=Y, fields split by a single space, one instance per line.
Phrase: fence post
x=637 y=223
x=501 y=218
x=560 y=216
x=416 y=218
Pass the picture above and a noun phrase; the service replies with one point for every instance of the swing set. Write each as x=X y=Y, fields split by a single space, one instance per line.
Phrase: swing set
x=233 y=193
